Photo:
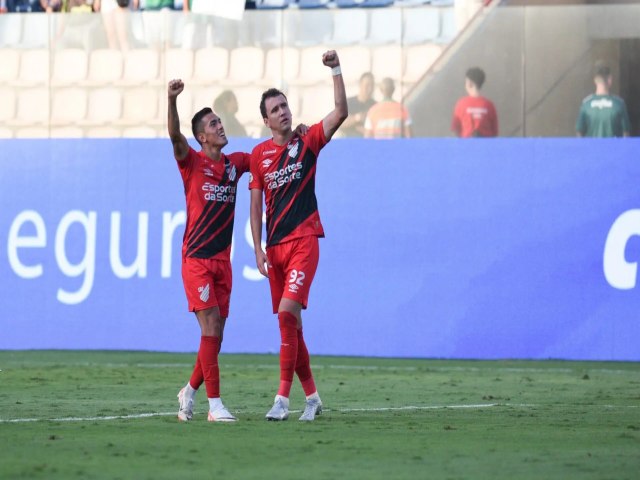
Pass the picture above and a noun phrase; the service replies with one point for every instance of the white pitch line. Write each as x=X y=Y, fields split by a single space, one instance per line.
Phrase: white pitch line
x=425 y=368
x=338 y=410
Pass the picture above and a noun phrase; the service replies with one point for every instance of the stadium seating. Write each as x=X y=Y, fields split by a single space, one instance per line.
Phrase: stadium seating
x=420 y=25
x=349 y=26
x=34 y=68
x=312 y=71
x=271 y=4
x=141 y=66
x=387 y=62
x=69 y=66
x=105 y=67
x=356 y=60
x=210 y=65
x=57 y=88
x=7 y=104
x=139 y=107
x=246 y=66
x=385 y=26
x=69 y=106
x=178 y=63
x=10 y=61
x=104 y=107
x=32 y=108
x=10 y=30
x=282 y=66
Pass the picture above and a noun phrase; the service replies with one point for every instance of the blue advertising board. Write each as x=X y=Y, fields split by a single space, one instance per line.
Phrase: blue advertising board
x=504 y=248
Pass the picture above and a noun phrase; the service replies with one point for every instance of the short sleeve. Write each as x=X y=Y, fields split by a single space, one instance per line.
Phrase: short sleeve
x=255 y=178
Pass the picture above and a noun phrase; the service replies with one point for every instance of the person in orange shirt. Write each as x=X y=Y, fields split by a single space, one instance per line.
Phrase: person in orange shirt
x=474 y=115
x=388 y=118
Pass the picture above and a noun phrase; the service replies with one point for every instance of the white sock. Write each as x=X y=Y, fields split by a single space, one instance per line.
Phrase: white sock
x=215 y=404
x=313 y=396
x=189 y=391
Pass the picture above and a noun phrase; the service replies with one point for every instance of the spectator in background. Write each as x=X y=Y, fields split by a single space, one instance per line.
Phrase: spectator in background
x=23 y=6
x=115 y=21
x=157 y=28
x=601 y=113
x=51 y=6
x=226 y=106
x=474 y=115
x=359 y=105
x=388 y=118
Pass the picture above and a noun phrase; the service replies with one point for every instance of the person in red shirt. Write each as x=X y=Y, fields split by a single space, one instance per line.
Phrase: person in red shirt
x=210 y=180
x=474 y=115
x=284 y=168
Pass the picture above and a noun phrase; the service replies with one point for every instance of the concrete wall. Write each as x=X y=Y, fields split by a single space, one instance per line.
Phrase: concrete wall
x=539 y=63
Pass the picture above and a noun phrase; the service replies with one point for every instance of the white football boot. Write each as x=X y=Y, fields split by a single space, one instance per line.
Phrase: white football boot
x=280 y=409
x=313 y=407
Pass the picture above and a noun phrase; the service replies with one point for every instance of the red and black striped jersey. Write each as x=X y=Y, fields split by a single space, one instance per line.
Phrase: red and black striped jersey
x=210 y=188
x=287 y=175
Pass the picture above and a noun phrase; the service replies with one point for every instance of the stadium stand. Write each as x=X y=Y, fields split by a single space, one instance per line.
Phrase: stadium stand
x=104 y=107
x=211 y=65
x=239 y=71
x=68 y=106
x=141 y=66
x=385 y=26
x=60 y=87
x=34 y=68
x=105 y=67
x=282 y=66
x=69 y=67
x=420 y=25
x=10 y=61
x=350 y=26
x=178 y=63
x=7 y=105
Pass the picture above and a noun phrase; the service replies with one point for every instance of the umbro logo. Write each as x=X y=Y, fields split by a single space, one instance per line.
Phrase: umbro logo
x=208 y=172
x=266 y=162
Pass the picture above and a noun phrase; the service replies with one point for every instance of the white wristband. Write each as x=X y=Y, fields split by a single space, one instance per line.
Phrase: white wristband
x=336 y=71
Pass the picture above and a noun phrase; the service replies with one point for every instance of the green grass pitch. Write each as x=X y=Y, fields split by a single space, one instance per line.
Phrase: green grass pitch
x=80 y=414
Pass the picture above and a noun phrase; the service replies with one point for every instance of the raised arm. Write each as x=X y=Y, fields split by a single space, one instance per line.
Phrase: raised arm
x=332 y=122
x=179 y=141
x=255 y=216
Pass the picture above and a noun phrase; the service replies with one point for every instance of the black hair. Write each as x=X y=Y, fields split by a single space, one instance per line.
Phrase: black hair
x=272 y=92
x=477 y=76
x=196 y=122
x=603 y=71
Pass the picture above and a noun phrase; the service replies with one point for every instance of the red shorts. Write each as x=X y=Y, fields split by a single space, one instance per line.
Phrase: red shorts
x=292 y=266
x=207 y=283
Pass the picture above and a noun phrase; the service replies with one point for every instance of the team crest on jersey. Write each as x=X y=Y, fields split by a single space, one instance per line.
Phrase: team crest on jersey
x=232 y=173
x=266 y=162
x=293 y=149
x=204 y=292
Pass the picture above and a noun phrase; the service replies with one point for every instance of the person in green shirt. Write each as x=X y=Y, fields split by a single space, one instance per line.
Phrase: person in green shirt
x=601 y=113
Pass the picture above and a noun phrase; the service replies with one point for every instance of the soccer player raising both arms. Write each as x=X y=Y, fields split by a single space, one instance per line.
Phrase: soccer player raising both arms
x=284 y=168
x=210 y=182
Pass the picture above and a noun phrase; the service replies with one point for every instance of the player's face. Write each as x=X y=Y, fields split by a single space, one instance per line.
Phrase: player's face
x=278 y=113
x=213 y=133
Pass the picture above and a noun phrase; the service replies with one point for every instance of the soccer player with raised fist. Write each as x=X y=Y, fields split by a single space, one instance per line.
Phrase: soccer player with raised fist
x=210 y=180
x=284 y=168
